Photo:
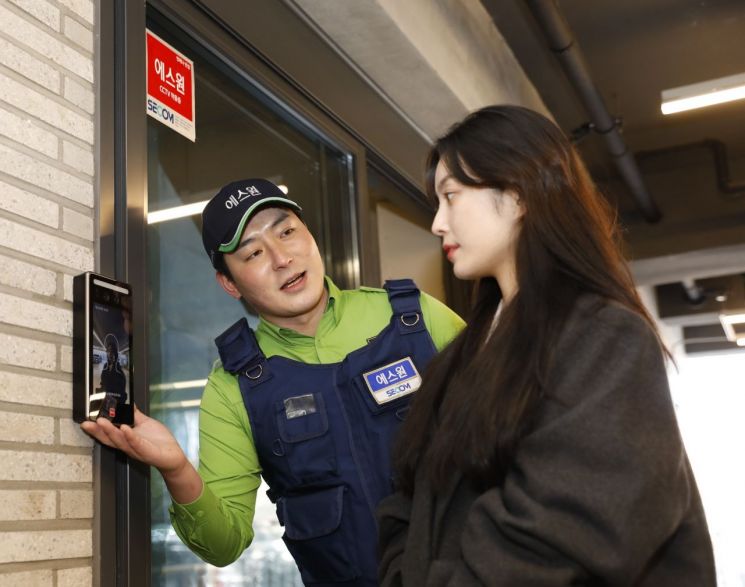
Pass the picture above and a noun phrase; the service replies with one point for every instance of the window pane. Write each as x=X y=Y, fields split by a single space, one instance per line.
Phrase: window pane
x=240 y=133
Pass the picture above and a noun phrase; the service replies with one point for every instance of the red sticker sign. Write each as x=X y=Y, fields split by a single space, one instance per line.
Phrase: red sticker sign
x=170 y=86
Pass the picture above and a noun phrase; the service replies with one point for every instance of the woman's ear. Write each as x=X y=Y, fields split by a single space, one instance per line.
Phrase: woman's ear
x=517 y=203
x=228 y=285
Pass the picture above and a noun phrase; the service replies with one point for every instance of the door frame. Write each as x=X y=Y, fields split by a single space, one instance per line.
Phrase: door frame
x=346 y=111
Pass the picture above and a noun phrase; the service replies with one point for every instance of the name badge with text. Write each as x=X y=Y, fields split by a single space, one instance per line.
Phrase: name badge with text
x=393 y=381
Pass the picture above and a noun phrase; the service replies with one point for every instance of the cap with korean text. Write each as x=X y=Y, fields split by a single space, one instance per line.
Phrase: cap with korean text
x=225 y=215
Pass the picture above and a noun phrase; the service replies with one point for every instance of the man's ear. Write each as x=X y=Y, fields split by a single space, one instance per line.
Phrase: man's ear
x=228 y=285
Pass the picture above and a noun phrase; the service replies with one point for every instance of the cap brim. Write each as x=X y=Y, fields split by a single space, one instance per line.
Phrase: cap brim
x=230 y=246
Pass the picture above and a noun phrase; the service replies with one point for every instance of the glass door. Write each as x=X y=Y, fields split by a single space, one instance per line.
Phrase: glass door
x=241 y=132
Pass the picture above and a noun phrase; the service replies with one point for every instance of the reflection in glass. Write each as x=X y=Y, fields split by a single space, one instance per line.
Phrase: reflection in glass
x=239 y=134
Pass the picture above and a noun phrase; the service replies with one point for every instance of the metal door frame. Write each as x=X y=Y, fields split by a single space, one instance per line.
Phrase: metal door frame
x=122 y=525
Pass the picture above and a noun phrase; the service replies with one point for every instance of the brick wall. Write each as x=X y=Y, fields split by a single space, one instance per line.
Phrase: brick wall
x=47 y=235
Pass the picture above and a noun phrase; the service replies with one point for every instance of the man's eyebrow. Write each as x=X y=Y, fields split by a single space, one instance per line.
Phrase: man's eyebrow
x=279 y=220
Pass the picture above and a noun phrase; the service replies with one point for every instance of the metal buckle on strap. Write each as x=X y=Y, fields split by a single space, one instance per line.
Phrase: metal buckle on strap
x=415 y=319
x=254 y=373
x=278 y=451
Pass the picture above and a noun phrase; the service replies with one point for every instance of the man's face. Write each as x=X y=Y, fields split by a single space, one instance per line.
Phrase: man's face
x=277 y=267
x=110 y=354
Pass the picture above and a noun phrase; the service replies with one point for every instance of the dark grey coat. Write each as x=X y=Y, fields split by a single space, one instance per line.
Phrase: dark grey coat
x=600 y=493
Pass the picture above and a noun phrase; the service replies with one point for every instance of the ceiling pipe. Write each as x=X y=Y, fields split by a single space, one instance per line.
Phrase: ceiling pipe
x=717 y=149
x=564 y=46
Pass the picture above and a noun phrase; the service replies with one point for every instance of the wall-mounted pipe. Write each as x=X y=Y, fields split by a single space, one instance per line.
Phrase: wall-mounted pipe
x=563 y=45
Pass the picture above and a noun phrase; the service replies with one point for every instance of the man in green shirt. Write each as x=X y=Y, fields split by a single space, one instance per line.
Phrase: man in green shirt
x=264 y=253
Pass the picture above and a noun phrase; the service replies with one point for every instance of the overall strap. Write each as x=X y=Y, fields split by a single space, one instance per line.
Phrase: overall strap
x=403 y=295
x=240 y=353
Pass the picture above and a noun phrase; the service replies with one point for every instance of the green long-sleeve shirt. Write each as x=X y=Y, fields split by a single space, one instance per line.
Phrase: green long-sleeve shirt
x=217 y=526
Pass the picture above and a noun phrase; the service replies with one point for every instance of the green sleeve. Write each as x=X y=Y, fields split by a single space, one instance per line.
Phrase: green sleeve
x=442 y=323
x=217 y=526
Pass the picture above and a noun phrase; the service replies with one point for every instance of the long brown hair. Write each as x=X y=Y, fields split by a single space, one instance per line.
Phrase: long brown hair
x=481 y=395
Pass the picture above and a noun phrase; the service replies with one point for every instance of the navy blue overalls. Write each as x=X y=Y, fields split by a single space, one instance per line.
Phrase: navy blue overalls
x=323 y=434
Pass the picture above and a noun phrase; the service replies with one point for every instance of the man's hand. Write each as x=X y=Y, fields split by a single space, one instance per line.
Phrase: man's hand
x=152 y=443
x=148 y=441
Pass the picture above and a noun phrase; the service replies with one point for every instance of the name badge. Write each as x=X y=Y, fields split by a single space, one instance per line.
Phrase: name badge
x=393 y=381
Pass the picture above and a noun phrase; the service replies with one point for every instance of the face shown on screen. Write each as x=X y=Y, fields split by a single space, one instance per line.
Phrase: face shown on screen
x=112 y=350
x=110 y=371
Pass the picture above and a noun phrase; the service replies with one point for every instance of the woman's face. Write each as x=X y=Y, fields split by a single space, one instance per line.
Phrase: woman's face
x=478 y=226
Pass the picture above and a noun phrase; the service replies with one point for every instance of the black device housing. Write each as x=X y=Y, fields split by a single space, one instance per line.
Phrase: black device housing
x=102 y=349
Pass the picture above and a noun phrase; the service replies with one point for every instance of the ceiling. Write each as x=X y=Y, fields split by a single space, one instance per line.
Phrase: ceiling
x=634 y=50
x=458 y=56
x=692 y=163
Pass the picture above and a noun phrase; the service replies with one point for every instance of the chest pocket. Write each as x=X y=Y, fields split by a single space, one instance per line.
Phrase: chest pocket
x=305 y=442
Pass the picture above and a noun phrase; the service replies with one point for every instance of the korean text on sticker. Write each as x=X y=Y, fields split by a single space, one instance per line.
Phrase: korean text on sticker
x=393 y=381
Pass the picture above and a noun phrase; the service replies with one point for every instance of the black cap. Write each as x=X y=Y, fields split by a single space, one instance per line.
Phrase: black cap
x=225 y=216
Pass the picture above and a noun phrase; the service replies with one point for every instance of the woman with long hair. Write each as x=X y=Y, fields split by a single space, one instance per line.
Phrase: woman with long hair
x=542 y=448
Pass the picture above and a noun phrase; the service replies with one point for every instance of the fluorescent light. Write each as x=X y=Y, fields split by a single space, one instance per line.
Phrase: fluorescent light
x=177 y=212
x=741 y=341
x=188 y=210
x=716 y=91
x=189 y=403
x=728 y=323
x=191 y=383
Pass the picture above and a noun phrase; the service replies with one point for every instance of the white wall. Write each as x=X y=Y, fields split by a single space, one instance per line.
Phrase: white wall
x=709 y=398
x=47 y=132
x=407 y=250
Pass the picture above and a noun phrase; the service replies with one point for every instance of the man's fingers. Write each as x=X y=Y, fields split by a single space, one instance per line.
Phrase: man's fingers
x=125 y=438
x=131 y=437
x=94 y=430
x=117 y=438
x=135 y=443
